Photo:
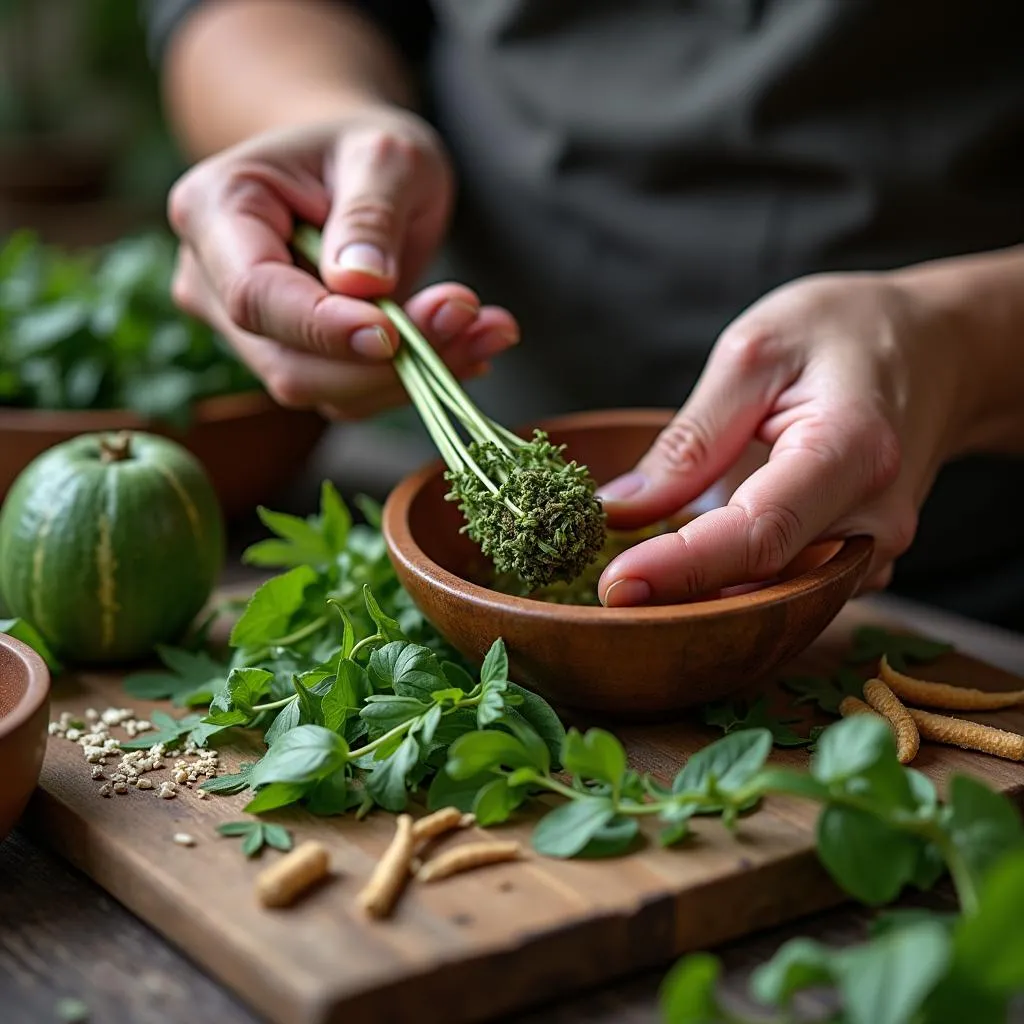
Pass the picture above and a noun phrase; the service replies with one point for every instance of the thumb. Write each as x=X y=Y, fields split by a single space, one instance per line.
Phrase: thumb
x=364 y=232
x=704 y=440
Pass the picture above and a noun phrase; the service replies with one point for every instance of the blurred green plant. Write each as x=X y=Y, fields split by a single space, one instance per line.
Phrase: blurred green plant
x=99 y=330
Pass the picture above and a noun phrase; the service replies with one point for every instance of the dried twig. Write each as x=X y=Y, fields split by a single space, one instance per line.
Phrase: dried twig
x=282 y=883
x=968 y=735
x=467 y=857
x=943 y=695
x=381 y=891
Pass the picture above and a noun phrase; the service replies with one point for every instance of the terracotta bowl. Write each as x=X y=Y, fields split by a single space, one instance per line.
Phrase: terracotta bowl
x=249 y=445
x=633 y=662
x=24 y=713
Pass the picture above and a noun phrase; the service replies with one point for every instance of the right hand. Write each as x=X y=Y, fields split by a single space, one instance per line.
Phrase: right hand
x=379 y=184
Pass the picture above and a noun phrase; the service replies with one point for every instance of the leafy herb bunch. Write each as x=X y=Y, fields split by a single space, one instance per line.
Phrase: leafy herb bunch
x=357 y=705
x=98 y=330
x=534 y=514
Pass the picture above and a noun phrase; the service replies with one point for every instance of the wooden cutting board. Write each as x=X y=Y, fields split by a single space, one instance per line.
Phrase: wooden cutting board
x=477 y=945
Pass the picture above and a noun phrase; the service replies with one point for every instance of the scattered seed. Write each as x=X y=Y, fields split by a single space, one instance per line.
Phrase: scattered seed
x=106 y=789
x=97 y=772
x=120 y=787
x=144 y=784
x=184 y=839
x=282 y=883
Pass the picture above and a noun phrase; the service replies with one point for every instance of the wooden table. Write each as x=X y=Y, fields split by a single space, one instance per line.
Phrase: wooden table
x=62 y=937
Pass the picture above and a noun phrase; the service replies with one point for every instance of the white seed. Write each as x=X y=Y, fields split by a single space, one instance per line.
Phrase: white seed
x=94 y=755
x=106 y=789
x=73 y=734
x=120 y=787
x=184 y=839
x=97 y=772
x=54 y=729
x=91 y=714
x=156 y=765
x=181 y=776
x=202 y=794
x=145 y=783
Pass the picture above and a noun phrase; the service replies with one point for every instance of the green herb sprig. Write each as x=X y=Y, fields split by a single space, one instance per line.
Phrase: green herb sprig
x=534 y=514
x=257 y=834
x=98 y=330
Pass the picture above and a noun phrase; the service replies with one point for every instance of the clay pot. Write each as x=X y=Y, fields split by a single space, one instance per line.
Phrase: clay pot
x=249 y=445
x=627 y=662
x=24 y=713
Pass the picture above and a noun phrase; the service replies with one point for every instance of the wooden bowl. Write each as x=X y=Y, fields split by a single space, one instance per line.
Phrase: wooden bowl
x=249 y=444
x=634 y=662
x=24 y=714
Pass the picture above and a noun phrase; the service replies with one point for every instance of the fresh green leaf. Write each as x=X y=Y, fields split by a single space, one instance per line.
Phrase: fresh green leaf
x=536 y=748
x=871 y=860
x=495 y=666
x=492 y=750
x=332 y=795
x=826 y=691
x=335 y=519
x=168 y=731
x=253 y=843
x=277 y=837
x=387 y=627
x=730 y=763
x=566 y=830
x=870 y=643
x=256 y=834
x=462 y=793
x=688 y=994
x=24 y=631
x=983 y=825
x=226 y=785
x=613 y=839
x=797 y=965
x=383 y=711
x=457 y=677
x=345 y=698
x=307 y=542
x=275 y=795
x=387 y=782
x=495 y=801
x=595 y=754
x=271 y=608
x=406 y=668
x=730 y=717
x=285 y=720
x=851 y=747
x=492 y=703
x=194 y=678
x=303 y=754
x=540 y=715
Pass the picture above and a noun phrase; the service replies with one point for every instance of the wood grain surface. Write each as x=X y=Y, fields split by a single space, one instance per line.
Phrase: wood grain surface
x=477 y=945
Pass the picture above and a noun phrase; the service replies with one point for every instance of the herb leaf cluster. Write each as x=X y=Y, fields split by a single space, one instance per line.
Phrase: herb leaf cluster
x=98 y=330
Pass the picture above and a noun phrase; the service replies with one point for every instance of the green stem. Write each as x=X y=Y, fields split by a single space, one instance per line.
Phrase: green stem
x=276 y=704
x=369 y=748
x=363 y=643
x=300 y=634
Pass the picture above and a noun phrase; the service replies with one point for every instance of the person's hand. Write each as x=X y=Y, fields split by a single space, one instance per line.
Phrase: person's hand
x=860 y=396
x=380 y=186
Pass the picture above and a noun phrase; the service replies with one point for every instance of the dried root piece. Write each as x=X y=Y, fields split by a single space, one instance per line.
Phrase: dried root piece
x=943 y=695
x=388 y=878
x=968 y=735
x=467 y=857
x=850 y=706
x=436 y=824
x=887 y=704
x=282 y=883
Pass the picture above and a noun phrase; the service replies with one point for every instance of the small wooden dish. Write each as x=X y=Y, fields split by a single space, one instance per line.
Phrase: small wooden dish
x=248 y=444
x=628 y=662
x=24 y=714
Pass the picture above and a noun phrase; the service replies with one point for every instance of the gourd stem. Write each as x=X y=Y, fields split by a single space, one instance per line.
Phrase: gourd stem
x=117 y=448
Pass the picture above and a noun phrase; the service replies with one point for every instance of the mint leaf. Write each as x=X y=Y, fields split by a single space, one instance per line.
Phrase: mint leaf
x=194 y=678
x=387 y=627
x=255 y=835
x=541 y=716
x=495 y=801
x=478 y=752
x=730 y=717
x=566 y=830
x=383 y=711
x=335 y=519
x=827 y=692
x=285 y=720
x=983 y=825
x=407 y=669
x=612 y=839
x=495 y=666
x=350 y=689
x=275 y=795
x=228 y=784
x=851 y=747
x=797 y=965
x=168 y=731
x=687 y=995
x=730 y=763
x=303 y=754
x=271 y=608
x=870 y=643
x=594 y=755
x=387 y=782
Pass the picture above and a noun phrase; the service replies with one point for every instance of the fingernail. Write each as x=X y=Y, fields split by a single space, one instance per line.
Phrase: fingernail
x=372 y=343
x=364 y=258
x=627 y=592
x=452 y=317
x=622 y=487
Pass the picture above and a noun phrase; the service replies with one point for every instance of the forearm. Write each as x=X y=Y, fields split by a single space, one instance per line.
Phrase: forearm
x=977 y=303
x=236 y=68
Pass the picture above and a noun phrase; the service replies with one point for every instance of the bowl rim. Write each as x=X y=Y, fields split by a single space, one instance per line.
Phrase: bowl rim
x=219 y=408
x=37 y=689
x=852 y=554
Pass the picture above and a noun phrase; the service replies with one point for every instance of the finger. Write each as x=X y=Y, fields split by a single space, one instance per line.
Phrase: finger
x=374 y=178
x=237 y=231
x=743 y=378
x=816 y=473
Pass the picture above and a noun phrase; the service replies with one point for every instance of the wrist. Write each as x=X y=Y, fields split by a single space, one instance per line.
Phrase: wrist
x=966 y=349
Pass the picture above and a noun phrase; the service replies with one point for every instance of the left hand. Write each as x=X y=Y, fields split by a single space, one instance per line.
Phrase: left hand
x=859 y=393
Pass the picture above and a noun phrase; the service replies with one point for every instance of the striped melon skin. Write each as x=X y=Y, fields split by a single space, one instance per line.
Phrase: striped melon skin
x=109 y=558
